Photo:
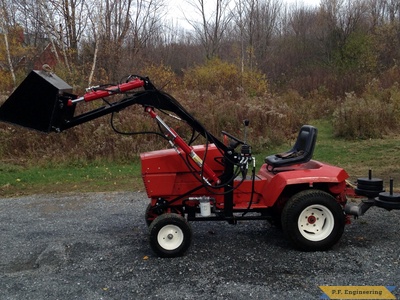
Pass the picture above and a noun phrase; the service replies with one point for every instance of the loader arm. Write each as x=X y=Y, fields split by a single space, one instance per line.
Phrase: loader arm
x=44 y=102
x=148 y=98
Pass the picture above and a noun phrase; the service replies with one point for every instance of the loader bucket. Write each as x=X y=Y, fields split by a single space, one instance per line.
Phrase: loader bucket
x=39 y=102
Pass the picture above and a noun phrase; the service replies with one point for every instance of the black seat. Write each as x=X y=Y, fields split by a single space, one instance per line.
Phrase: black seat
x=301 y=152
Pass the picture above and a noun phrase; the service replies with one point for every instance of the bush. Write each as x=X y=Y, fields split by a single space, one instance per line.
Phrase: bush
x=272 y=120
x=217 y=75
x=161 y=76
x=372 y=115
x=214 y=98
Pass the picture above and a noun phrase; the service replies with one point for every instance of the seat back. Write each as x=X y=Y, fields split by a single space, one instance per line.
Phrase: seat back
x=301 y=152
x=306 y=140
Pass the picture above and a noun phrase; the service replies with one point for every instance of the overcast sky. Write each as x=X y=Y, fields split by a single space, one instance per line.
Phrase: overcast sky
x=305 y=2
x=179 y=8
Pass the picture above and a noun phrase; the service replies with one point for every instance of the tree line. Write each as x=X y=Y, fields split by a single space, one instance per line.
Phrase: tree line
x=335 y=47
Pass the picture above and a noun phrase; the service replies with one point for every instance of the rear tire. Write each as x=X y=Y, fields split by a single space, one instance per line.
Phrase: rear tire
x=313 y=220
x=170 y=235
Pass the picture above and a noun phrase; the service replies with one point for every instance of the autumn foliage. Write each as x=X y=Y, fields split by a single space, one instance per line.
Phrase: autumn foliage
x=278 y=66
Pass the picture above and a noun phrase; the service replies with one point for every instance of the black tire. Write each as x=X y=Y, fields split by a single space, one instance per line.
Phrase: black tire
x=313 y=220
x=153 y=212
x=170 y=235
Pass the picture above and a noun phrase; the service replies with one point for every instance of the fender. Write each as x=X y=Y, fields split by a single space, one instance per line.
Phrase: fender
x=308 y=173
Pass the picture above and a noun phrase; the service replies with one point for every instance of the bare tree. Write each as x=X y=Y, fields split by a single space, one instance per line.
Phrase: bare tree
x=96 y=30
x=394 y=10
x=262 y=25
x=5 y=25
x=301 y=27
x=377 y=10
x=345 y=16
x=240 y=23
x=146 y=22
x=126 y=28
x=60 y=22
x=257 y=22
x=74 y=13
x=211 y=26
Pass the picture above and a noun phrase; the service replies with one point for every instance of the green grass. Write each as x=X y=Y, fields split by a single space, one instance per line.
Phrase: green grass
x=16 y=180
x=359 y=156
x=356 y=157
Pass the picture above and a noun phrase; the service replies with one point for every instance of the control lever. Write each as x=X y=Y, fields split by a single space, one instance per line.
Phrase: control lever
x=246 y=124
x=245 y=149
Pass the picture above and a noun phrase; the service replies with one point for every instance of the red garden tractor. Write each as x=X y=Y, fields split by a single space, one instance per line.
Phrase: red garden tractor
x=215 y=181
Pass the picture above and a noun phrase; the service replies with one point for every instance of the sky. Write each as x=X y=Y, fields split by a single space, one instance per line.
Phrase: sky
x=179 y=8
x=305 y=2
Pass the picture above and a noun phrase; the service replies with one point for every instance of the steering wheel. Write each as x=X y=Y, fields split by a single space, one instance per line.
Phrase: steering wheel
x=238 y=142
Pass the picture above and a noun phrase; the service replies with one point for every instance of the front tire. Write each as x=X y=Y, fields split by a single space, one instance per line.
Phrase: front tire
x=170 y=235
x=149 y=215
x=313 y=220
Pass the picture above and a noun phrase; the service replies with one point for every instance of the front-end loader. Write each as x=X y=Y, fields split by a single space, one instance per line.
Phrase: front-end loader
x=212 y=181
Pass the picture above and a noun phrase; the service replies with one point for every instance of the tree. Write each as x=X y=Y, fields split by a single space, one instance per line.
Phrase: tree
x=12 y=50
x=261 y=19
x=127 y=27
x=4 y=27
x=212 y=26
x=96 y=30
x=58 y=22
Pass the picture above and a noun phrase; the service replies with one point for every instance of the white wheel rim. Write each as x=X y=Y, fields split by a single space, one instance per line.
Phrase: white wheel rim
x=316 y=222
x=170 y=237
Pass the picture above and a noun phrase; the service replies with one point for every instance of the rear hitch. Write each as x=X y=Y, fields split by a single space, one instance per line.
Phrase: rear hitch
x=359 y=209
x=372 y=188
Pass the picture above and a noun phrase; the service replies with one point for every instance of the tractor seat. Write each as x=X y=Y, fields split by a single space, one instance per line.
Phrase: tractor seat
x=301 y=152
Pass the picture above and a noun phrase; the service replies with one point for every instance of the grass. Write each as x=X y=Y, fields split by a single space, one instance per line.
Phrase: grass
x=16 y=180
x=359 y=156
x=356 y=157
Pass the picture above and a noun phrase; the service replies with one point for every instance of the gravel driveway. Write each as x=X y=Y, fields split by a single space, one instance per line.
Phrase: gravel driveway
x=94 y=246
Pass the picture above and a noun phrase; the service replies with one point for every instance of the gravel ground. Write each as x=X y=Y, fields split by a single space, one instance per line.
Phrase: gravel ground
x=94 y=246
